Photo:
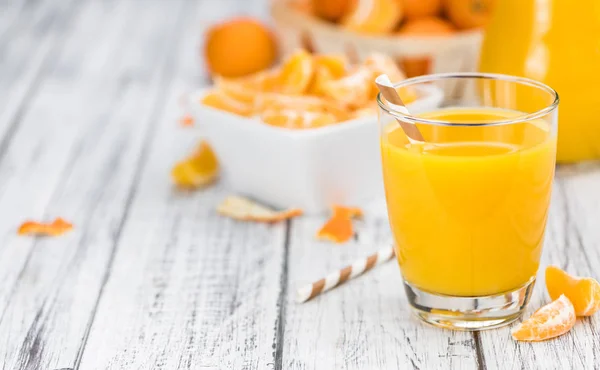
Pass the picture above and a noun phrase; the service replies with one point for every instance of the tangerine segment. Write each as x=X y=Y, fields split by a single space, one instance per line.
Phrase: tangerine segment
x=554 y=319
x=297 y=119
x=298 y=103
x=220 y=100
x=243 y=209
x=57 y=227
x=199 y=169
x=245 y=89
x=380 y=63
x=353 y=90
x=338 y=228
x=296 y=73
x=334 y=64
x=373 y=16
x=584 y=293
x=327 y=68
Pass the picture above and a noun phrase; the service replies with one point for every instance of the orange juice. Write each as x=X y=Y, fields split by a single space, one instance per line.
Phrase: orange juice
x=468 y=208
x=555 y=42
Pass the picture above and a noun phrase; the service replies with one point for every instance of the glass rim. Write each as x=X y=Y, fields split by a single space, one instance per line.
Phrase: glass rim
x=525 y=117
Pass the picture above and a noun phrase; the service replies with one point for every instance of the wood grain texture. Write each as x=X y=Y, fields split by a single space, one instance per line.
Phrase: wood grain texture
x=188 y=289
x=152 y=278
x=366 y=323
x=76 y=154
x=572 y=243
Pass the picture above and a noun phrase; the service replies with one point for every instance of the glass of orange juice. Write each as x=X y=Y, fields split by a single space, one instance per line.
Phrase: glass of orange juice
x=468 y=205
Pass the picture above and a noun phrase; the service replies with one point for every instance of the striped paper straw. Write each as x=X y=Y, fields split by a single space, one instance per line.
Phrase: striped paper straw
x=339 y=277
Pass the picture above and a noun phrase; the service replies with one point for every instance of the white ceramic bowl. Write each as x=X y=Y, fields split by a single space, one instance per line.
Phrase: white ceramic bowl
x=311 y=169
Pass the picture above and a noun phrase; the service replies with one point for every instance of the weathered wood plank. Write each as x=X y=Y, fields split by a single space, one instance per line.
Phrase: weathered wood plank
x=29 y=41
x=84 y=133
x=365 y=324
x=573 y=243
x=38 y=154
x=187 y=289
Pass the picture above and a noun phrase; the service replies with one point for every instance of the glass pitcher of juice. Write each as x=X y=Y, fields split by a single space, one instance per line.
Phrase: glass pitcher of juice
x=556 y=42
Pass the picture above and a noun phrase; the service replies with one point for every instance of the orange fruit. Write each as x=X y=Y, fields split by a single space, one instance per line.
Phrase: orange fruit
x=246 y=89
x=331 y=10
x=222 y=101
x=199 y=169
x=239 y=47
x=373 y=16
x=550 y=321
x=297 y=119
x=421 y=8
x=353 y=90
x=303 y=6
x=298 y=103
x=296 y=73
x=584 y=293
x=327 y=68
x=427 y=26
x=416 y=66
x=380 y=64
x=334 y=64
x=338 y=228
x=468 y=13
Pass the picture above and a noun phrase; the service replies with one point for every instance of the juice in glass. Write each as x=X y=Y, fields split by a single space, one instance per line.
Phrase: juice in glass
x=468 y=208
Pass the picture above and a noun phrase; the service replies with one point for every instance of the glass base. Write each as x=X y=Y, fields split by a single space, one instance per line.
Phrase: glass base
x=469 y=313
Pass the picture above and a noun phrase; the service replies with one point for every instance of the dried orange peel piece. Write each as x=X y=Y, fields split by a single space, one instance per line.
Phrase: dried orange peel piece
x=57 y=227
x=199 y=169
x=552 y=320
x=584 y=293
x=187 y=121
x=243 y=209
x=338 y=228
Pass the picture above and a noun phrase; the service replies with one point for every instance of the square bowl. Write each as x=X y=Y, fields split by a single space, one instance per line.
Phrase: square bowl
x=311 y=168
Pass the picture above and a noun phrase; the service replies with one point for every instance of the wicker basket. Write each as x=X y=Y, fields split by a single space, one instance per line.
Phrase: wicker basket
x=458 y=53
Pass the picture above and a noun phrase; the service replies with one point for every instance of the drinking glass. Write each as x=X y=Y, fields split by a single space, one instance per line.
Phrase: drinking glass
x=468 y=205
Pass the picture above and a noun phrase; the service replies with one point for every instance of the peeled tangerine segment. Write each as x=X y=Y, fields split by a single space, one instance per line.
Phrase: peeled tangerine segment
x=554 y=319
x=199 y=169
x=353 y=90
x=246 y=89
x=244 y=209
x=297 y=73
x=583 y=292
x=220 y=100
x=297 y=119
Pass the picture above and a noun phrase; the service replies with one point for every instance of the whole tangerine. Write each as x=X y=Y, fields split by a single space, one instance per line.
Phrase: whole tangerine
x=239 y=47
x=421 y=8
x=331 y=10
x=426 y=26
x=373 y=16
x=466 y=14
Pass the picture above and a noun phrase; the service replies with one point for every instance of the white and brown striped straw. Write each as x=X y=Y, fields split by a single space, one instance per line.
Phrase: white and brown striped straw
x=309 y=291
x=394 y=100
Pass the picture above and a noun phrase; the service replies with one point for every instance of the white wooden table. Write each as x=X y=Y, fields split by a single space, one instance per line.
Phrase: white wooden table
x=152 y=278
